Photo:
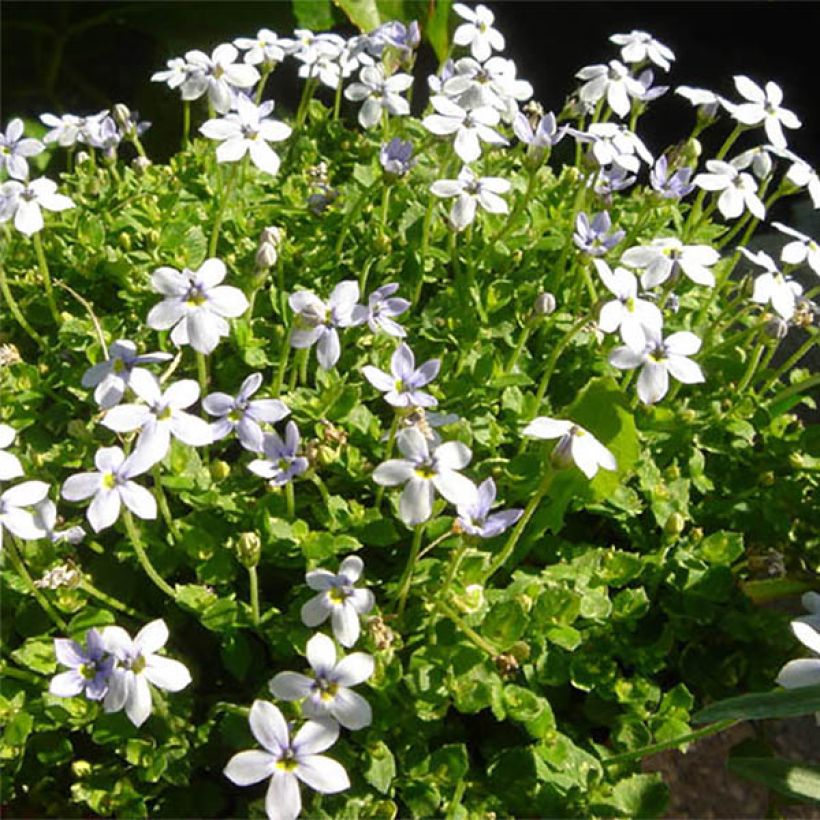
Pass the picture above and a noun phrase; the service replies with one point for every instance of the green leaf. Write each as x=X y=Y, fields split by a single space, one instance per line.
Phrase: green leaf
x=381 y=767
x=88 y=617
x=316 y=15
x=795 y=780
x=642 y=795
x=781 y=703
x=505 y=623
x=450 y=764
x=364 y=14
x=437 y=29
x=722 y=547
x=18 y=729
x=37 y=654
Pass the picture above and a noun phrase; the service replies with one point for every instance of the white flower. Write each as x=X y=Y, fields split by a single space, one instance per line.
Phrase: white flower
x=111 y=487
x=470 y=127
x=316 y=322
x=739 y=190
x=26 y=199
x=328 y=694
x=138 y=664
x=615 y=144
x=470 y=191
x=659 y=358
x=195 y=305
x=380 y=94
x=612 y=81
x=423 y=472
x=14 y=149
x=266 y=48
x=111 y=377
x=626 y=312
x=45 y=517
x=638 y=46
x=772 y=287
x=248 y=130
x=10 y=466
x=65 y=129
x=287 y=761
x=477 y=32
x=805 y=671
x=701 y=97
x=764 y=106
x=811 y=602
x=177 y=73
x=576 y=445
x=759 y=159
x=492 y=84
x=803 y=249
x=242 y=414
x=339 y=600
x=218 y=74
x=668 y=256
x=159 y=418
x=802 y=175
x=16 y=520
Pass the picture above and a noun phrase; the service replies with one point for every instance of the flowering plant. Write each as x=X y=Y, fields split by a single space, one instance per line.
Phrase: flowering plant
x=532 y=587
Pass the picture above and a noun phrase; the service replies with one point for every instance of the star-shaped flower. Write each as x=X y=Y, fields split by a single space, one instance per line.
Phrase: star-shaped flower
x=802 y=249
x=15 y=149
x=382 y=306
x=10 y=466
x=763 y=107
x=402 y=387
x=738 y=189
x=576 y=445
x=379 y=94
x=14 y=518
x=218 y=75
x=282 y=462
x=805 y=671
x=90 y=667
x=772 y=286
x=475 y=518
x=478 y=32
x=612 y=81
x=668 y=257
x=470 y=127
x=24 y=201
x=471 y=191
x=639 y=46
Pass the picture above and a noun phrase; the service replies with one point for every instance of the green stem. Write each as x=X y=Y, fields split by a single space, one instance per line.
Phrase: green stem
x=553 y=359
x=186 y=122
x=789 y=363
x=284 y=355
x=260 y=89
x=16 y=312
x=254 y=595
x=425 y=243
x=515 y=535
x=44 y=272
x=654 y=748
x=388 y=451
x=162 y=502
x=202 y=374
x=7 y=671
x=337 y=99
x=522 y=340
x=452 y=569
x=350 y=216
x=519 y=206
x=20 y=568
x=480 y=642
x=142 y=556
x=229 y=186
x=796 y=388
x=290 y=500
x=407 y=575
x=90 y=311
x=88 y=587
x=751 y=367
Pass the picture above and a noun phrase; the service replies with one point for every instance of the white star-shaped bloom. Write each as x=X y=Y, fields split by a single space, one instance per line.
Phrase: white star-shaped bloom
x=763 y=107
x=25 y=200
x=15 y=149
x=471 y=191
x=10 y=466
x=668 y=256
x=576 y=445
x=738 y=189
x=265 y=48
x=470 y=127
x=657 y=360
x=639 y=46
x=803 y=249
x=626 y=312
x=379 y=94
x=804 y=671
x=614 y=144
x=492 y=84
x=248 y=130
x=219 y=75
x=772 y=287
x=478 y=31
x=612 y=81
x=14 y=518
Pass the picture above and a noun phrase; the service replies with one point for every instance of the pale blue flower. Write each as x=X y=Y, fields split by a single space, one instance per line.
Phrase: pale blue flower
x=402 y=387
x=475 y=518
x=89 y=668
x=595 y=237
x=382 y=306
x=282 y=463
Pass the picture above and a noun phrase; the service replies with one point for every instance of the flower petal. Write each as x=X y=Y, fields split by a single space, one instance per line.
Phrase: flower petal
x=269 y=726
x=247 y=768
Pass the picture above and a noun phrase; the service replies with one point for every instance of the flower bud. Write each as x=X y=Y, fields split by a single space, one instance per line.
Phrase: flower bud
x=80 y=768
x=472 y=600
x=672 y=472
x=797 y=461
x=506 y=664
x=266 y=256
x=767 y=479
x=82 y=158
x=520 y=650
x=248 y=549
x=220 y=470
x=544 y=304
x=272 y=236
x=140 y=164
x=675 y=524
x=124 y=240
x=326 y=455
x=776 y=328
x=561 y=456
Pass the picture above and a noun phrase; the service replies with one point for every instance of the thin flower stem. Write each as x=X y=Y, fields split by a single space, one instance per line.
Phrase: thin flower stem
x=307 y=94
x=294 y=372
x=433 y=544
x=162 y=502
x=350 y=216
x=796 y=388
x=337 y=98
x=425 y=243
x=260 y=89
x=290 y=500
x=764 y=364
x=202 y=373
x=532 y=505
x=254 y=594
x=16 y=312
x=284 y=355
x=388 y=451
x=44 y=272
x=186 y=122
x=553 y=359
x=789 y=363
x=577 y=206
x=754 y=361
x=452 y=569
x=142 y=556
x=480 y=642
x=91 y=315
x=407 y=575
x=88 y=587
x=14 y=554
x=303 y=369
x=521 y=205
x=320 y=486
x=522 y=341
x=654 y=748
x=385 y=204
x=229 y=186
x=7 y=671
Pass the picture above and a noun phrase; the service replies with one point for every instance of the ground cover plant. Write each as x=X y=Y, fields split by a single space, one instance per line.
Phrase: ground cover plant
x=357 y=463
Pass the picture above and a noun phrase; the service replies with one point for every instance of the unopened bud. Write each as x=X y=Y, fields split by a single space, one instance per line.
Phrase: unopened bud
x=82 y=158
x=506 y=664
x=81 y=768
x=696 y=534
x=672 y=472
x=220 y=470
x=776 y=328
x=124 y=240
x=121 y=114
x=272 y=236
x=797 y=461
x=472 y=600
x=561 y=456
x=266 y=256
x=326 y=455
x=248 y=549
x=767 y=478
x=675 y=524
x=691 y=151
x=520 y=650
x=688 y=414
x=544 y=304
x=140 y=164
